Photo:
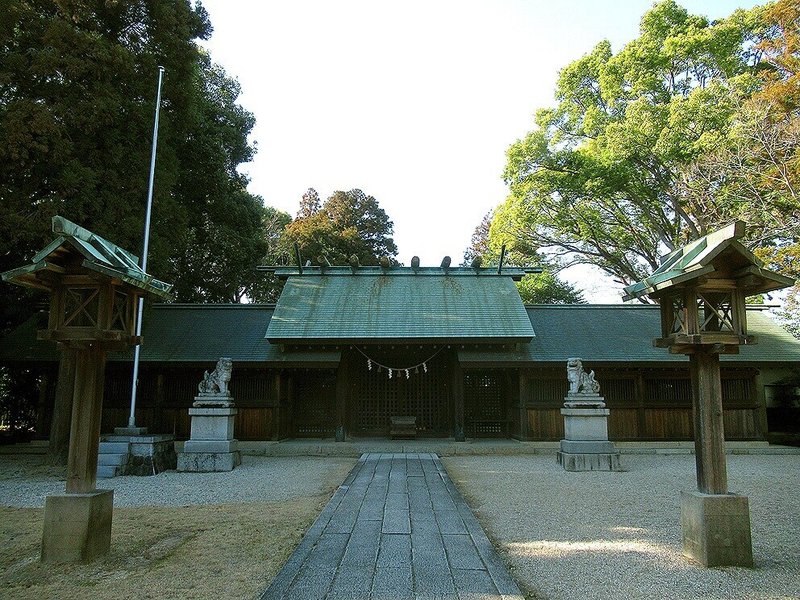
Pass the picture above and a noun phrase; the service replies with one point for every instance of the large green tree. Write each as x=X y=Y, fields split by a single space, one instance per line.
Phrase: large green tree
x=753 y=173
x=595 y=182
x=347 y=224
x=77 y=91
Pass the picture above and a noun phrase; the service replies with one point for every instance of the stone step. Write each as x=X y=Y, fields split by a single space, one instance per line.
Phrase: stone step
x=107 y=471
x=112 y=459
x=114 y=448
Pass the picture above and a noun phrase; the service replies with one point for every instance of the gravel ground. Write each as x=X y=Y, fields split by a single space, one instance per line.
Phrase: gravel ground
x=617 y=535
x=565 y=535
x=25 y=481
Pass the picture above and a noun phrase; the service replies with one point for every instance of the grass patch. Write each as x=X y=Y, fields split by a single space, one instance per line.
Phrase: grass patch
x=210 y=551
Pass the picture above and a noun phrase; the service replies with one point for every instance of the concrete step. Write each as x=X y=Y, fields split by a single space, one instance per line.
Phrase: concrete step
x=107 y=471
x=112 y=459
x=114 y=448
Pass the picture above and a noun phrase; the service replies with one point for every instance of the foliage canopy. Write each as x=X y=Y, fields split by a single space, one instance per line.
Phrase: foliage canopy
x=642 y=152
x=77 y=93
x=347 y=224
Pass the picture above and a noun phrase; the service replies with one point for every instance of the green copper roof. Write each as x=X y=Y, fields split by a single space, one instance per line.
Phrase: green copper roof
x=180 y=333
x=376 y=307
x=624 y=333
x=99 y=255
x=702 y=257
x=186 y=333
x=516 y=273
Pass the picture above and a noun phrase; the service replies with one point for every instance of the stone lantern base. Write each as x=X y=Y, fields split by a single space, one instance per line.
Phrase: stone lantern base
x=212 y=446
x=77 y=527
x=716 y=529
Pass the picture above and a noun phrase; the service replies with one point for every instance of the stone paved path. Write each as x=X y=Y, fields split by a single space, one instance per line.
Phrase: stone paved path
x=396 y=529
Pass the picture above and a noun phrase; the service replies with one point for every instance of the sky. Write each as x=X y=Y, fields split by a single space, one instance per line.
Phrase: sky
x=413 y=102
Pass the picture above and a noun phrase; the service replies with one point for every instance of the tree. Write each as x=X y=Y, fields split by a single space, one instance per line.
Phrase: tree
x=754 y=172
x=535 y=288
x=309 y=204
x=789 y=314
x=348 y=223
x=77 y=90
x=595 y=182
x=479 y=242
x=753 y=175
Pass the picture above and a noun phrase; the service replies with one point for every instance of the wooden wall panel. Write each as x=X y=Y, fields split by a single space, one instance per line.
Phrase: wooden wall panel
x=546 y=424
x=740 y=424
x=623 y=424
x=668 y=424
x=253 y=424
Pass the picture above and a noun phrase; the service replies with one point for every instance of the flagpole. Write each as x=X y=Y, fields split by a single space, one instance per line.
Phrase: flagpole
x=135 y=383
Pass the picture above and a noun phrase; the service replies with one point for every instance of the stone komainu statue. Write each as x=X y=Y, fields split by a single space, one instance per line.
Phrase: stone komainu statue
x=216 y=382
x=580 y=382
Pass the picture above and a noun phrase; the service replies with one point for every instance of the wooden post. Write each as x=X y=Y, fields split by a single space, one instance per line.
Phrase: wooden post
x=87 y=408
x=709 y=438
x=458 y=400
x=524 y=394
x=342 y=382
x=762 y=425
x=41 y=407
x=277 y=388
x=58 y=447
x=157 y=420
x=641 y=417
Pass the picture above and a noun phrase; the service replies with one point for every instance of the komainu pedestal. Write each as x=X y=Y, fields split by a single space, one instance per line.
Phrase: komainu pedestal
x=212 y=446
x=585 y=446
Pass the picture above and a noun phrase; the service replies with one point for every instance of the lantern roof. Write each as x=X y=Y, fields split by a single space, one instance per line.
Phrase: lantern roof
x=718 y=254
x=79 y=247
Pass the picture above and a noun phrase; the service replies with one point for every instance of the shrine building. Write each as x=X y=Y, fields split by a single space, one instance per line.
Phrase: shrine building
x=347 y=349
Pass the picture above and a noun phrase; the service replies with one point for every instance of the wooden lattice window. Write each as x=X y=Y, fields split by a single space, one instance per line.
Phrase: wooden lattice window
x=717 y=314
x=738 y=392
x=81 y=306
x=679 y=319
x=120 y=311
x=548 y=391
x=669 y=391
x=423 y=395
x=618 y=392
x=313 y=406
x=485 y=406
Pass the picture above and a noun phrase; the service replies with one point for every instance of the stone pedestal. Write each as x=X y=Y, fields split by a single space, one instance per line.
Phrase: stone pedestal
x=130 y=430
x=147 y=454
x=212 y=446
x=77 y=527
x=585 y=446
x=716 y=529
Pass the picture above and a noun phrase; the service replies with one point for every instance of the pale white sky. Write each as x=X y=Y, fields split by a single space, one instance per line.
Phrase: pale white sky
x=413 y=102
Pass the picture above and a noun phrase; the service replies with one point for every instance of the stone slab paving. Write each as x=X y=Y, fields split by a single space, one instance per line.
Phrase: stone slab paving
x=397 y=528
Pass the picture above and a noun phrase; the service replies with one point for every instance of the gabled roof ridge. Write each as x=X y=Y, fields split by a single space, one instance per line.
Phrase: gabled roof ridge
x=213 y=305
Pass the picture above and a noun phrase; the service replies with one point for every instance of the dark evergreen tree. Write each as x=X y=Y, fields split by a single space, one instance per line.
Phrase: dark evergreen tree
x=77 y=94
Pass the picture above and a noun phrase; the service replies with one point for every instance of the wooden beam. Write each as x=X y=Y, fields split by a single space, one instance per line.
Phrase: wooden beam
x=458 y=400
x=87 y=408
x=709 y=437
x=342 y=393
x=58 y=446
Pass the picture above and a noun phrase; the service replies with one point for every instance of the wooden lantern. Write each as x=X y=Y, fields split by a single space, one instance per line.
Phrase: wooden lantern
x=701 y=290
x=95 y=288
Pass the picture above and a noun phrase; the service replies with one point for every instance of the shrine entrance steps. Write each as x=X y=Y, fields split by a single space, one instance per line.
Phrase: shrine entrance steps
x=397 y=528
